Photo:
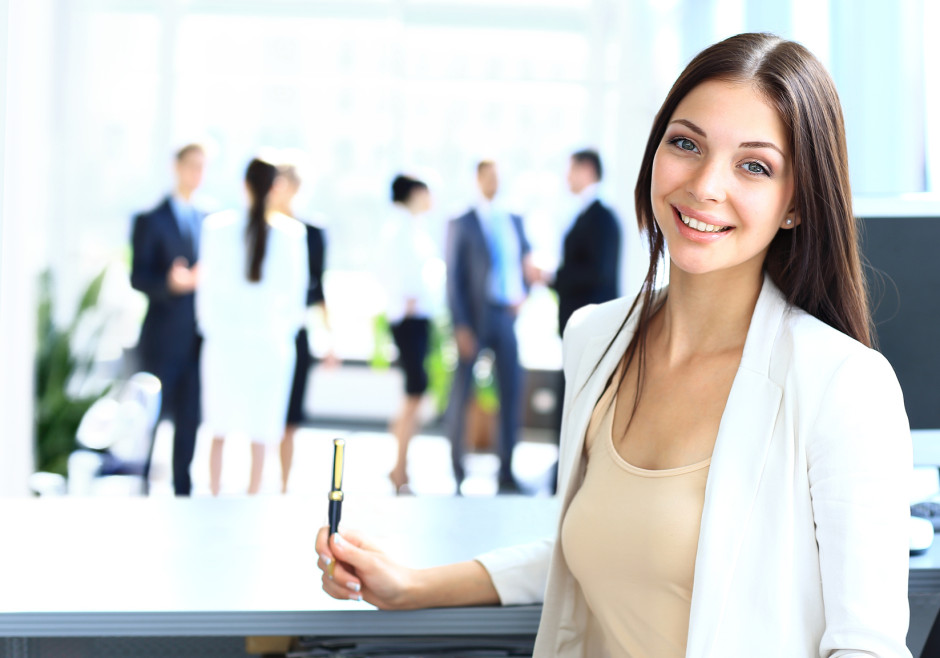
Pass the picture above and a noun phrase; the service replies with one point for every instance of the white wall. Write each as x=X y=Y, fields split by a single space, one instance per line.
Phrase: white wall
x=115 y=85
x=25 y=153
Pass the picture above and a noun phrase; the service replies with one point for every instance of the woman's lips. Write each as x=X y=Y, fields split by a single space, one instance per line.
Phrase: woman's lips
x=699 y=230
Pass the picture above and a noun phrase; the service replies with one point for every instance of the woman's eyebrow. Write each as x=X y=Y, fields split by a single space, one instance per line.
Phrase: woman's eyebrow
x=762 y=145
x=691 y=126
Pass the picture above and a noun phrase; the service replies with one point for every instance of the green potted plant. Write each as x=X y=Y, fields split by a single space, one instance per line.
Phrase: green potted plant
x=60 y=370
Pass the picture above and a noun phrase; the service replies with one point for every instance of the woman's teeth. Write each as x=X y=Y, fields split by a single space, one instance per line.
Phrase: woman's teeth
x=702 y=226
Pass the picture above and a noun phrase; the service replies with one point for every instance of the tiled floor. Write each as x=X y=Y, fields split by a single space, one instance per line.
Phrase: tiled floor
x=370 y=455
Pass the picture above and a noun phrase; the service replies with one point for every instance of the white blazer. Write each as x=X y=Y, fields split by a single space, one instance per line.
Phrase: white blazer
x=227 y=303
x=803 y=548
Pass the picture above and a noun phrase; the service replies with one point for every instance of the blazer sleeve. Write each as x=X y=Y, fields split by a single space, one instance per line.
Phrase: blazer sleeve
x=316 y=261
x=457 y=299
x=301 y=278
x=594 y=259
x=210 y=288
x=146 y=274
x=859 y=465
x=519 y=573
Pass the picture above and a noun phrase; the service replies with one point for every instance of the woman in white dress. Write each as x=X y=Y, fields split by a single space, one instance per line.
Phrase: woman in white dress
x=249 y=305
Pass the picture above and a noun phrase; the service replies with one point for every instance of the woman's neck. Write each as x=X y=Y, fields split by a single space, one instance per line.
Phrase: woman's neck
x=411 y=210
x=705 y=313
x=283 y=209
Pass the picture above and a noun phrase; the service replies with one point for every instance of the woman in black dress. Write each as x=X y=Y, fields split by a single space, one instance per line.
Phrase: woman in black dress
x=316 y=246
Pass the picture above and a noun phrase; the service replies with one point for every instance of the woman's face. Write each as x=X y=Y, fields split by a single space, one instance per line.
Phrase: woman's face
x=282 y=192
x=421 y=200
x=722 y=179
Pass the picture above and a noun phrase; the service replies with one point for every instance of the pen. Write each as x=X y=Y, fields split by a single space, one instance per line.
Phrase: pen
x=336 y=490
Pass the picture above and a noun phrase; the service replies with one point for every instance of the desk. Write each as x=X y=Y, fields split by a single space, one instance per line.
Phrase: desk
x=204 y=573
x=924 y=595
x=227 y=568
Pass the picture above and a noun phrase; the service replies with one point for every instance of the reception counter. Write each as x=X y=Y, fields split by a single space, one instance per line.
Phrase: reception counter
x=223 y=569
x=199 y=575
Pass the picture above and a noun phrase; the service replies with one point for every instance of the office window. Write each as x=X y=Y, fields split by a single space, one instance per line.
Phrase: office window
x=369 y=88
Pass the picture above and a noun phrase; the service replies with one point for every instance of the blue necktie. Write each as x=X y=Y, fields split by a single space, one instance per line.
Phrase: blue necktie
x=194 y=228
x=498 y=253
x=189 y=225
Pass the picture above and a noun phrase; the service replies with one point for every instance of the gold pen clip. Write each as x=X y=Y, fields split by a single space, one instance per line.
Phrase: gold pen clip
x=339 y=446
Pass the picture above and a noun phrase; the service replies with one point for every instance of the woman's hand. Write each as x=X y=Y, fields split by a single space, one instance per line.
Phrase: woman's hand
x=354 y=568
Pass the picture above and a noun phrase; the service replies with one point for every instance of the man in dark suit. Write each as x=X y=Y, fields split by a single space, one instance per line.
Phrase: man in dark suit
x=487 y=258
x=590 y=264
x=165 y=243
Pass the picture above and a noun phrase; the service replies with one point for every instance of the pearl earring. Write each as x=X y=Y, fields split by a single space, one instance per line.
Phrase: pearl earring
x=789 y=221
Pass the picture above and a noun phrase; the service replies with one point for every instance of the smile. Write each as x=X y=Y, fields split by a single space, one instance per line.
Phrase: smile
x=701 y=226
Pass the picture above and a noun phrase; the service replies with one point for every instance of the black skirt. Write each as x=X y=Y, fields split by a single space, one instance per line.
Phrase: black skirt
x=412 y=338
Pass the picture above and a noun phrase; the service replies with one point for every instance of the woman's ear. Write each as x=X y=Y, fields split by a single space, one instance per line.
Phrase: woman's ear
x=791 y=220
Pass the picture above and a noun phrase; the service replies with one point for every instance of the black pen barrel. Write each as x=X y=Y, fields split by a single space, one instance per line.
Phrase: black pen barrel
x=336 y=509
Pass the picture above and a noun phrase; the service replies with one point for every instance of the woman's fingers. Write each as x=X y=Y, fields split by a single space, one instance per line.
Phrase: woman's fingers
x=344 y=550
x=338 y=571
x=355 y=568
x=323 y=543
x=338 y=581
x=349 y=591
x=339 y=578
x=357 y=539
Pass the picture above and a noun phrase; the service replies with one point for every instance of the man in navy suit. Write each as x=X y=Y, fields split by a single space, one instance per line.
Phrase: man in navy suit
x=590 y=264
x=165 y=242
x=487 y=264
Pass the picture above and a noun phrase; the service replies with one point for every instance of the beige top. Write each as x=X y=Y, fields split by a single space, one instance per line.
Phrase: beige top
x=630 y=538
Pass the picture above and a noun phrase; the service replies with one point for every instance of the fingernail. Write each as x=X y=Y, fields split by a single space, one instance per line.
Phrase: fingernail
x=354 y=586
x=339 y=540
x=326 y=560
x=356 y=597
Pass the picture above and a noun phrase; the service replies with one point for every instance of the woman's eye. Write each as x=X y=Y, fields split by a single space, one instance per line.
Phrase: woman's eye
x=755 y=168
x=684 y=143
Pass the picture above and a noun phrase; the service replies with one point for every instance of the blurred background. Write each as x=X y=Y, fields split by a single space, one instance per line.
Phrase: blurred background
x=98 y=94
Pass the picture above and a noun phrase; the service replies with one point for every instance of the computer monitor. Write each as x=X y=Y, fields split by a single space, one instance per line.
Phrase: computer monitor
x=903 y=271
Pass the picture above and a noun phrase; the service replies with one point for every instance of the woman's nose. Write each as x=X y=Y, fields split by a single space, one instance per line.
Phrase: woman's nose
x=707 y=182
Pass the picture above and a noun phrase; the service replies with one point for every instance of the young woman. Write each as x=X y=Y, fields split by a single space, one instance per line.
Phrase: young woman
x=281 y=200
x=735 y=430
x=407 y=250
x=250 y=304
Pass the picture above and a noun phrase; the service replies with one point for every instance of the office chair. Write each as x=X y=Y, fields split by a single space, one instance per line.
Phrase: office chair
x=114 y=438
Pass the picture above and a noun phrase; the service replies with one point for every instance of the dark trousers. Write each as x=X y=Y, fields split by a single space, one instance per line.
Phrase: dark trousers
x=182 y=404
x=500 y=337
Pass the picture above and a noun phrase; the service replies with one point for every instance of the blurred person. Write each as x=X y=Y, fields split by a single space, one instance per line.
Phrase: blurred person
x=250 y=305
x=487 y=258
x=280 y=200
x=165 y=244
x=590 y=264
x=407 y=250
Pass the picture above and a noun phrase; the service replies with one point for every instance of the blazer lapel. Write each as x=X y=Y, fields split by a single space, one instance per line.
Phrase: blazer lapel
x=576 y=225
x=183 y=245
x=478 y=236
x=741 y=449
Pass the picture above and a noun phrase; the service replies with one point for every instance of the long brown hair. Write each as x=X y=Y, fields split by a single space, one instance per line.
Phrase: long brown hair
x=816 y=264
x=260 y=179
